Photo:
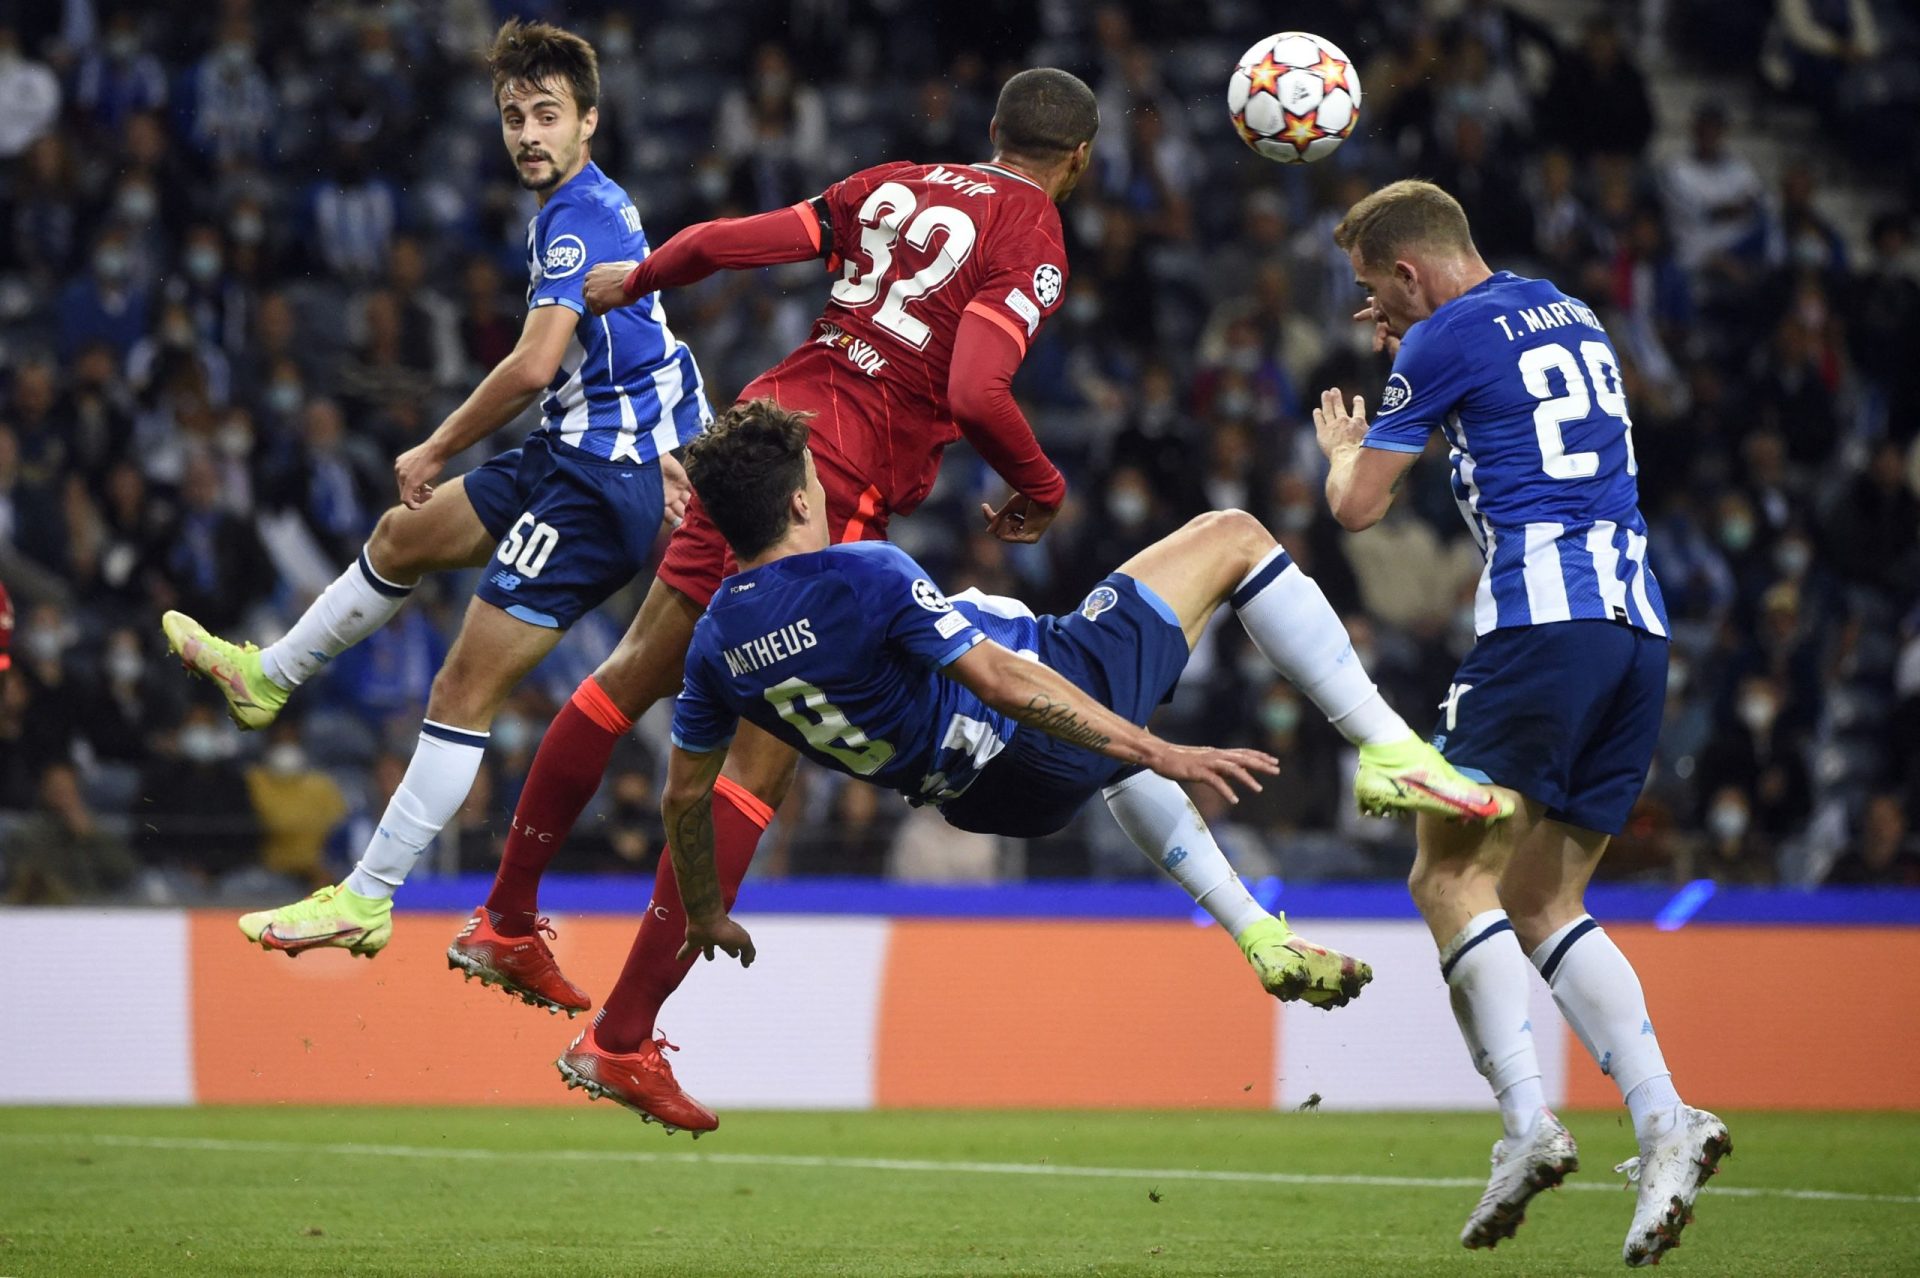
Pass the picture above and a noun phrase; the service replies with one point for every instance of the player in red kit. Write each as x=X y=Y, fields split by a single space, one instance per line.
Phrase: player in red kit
x=945 y=274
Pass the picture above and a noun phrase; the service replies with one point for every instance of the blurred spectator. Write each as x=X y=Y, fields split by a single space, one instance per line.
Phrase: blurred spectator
x=214 y=562
x=194 y=813
x=119 y=77
x=774 y=132
x=296 y=804
x=629 y=837
x=122 y=713
x=1597 y=100
x=105 y=304
x=31 y=92
x=61 y=855
x=1713 y=196
x=232 y=101
x=1736 y=851
x=1884 y=853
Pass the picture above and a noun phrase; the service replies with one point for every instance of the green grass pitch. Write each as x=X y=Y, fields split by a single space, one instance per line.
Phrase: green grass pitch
x=590 y=1190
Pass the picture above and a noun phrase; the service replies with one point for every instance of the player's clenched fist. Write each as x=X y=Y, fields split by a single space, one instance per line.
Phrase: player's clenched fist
x=606 y=286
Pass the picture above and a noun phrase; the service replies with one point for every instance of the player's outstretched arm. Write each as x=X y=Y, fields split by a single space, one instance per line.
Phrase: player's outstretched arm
x=687 y=808
x=1361 y=481
x=501 y=396
x=791 y=234
x=1042 y=698
x=986 y=354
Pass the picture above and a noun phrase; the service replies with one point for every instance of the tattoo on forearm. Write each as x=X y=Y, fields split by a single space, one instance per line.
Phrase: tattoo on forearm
x=693 y=859
x=1058 y=719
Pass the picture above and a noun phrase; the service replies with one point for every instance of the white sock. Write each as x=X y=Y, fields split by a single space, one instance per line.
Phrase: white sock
x=1486 y=975
x=1170 y=832
x=444 y=765
x=1599 y=993
x=1295 y=628
x=359 y=602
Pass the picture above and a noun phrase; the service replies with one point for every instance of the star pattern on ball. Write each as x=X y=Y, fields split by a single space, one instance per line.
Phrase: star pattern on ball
x=1245 y=131
x=1265 y=75
x=1331 y=70
x=1301 y=130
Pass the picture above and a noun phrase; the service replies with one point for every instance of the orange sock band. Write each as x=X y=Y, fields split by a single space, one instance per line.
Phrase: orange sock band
x=741 y=797
x=594 y=703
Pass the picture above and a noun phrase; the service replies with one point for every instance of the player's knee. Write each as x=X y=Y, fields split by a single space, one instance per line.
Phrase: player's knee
x=1235 y=534
x=391 y=550
x=461 y=697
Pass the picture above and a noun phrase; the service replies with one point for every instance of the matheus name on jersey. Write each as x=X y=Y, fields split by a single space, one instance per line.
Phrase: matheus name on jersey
x=628 y=389
x=839 y=653
x=1526 y=387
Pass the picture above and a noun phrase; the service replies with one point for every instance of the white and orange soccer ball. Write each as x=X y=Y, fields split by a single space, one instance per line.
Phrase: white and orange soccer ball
x=1294 y=97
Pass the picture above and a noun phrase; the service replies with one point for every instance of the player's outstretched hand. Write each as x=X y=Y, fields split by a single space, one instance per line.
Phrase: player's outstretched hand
x=1383 y=340
x=1335 y=424
x=1022 y=519
x=722 y=933
x=677 y=488
x=1219 y=769
x=606 y=286
x=414 y=471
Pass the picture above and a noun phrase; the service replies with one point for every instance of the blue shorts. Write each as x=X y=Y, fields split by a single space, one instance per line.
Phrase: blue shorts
x=1125 y=647
x=1567 y=714
x=572 y=529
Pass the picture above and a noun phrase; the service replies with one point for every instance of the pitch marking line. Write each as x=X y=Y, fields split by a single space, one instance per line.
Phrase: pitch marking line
x=937 y=1167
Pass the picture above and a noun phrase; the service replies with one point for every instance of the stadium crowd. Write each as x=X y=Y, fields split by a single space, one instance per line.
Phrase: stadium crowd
x=250 y=252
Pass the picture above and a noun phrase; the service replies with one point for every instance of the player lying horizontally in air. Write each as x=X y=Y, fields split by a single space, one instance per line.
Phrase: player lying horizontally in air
x=1007 y=721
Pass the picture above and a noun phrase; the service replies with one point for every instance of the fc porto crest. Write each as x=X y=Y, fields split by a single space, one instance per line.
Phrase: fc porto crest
x=1098 y=602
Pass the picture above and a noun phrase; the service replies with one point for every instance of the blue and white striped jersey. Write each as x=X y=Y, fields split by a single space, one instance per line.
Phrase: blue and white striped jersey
x=1524 y=383
x=627 y=389
x=838 y=653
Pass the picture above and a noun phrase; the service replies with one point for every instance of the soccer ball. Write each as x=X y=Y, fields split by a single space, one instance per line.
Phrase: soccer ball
x=1294 y=97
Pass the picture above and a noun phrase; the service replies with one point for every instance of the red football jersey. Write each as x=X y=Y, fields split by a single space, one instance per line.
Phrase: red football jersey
x=916 y=246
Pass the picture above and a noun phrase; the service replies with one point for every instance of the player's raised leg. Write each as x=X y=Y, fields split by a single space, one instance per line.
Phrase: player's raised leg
x=1228 y=557
x=493 y=653
x=1171 y=833
x=1597 y=990
x=405 y=546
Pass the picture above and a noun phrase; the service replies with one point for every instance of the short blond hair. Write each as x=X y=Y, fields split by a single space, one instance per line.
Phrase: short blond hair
x=1406 y=213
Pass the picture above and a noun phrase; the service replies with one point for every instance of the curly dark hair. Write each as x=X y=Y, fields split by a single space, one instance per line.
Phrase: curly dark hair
x=539 y=53
x=745 y=467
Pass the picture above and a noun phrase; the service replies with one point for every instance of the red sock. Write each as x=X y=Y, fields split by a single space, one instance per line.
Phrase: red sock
x=652 y=972
x=566 y=771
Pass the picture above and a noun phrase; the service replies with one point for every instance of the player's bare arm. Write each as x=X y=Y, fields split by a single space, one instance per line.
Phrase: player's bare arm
x=1361 y=481
x=1041 y=698
x=687 y=809
x=501 y=396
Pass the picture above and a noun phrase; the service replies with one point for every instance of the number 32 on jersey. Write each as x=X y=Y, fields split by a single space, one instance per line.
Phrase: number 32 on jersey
x=882 y=217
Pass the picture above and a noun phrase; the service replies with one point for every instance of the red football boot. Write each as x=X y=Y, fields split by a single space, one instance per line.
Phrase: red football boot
x=521 y=965
x=642 y=1081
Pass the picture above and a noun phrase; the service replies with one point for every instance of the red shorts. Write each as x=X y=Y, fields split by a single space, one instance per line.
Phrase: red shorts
x=697 y=556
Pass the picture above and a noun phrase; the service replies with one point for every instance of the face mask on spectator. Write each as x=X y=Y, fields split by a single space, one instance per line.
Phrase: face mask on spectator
x=378 y=62
x=616 y=42
x=236 y=439
x=137 y=204
x=1295 y=518
x=285 y=759
x=1757 y=711
x=112 y=264
x=1728 y=821
x=236 y=53
x=284 y=398
x=1235 y=404
x=1792 y=558
x=248 y=228
x=203 y=262
x=43 y=647
x=1127 y=507
x=512 y=733
x=1736 y=533
x=122 y=46
x=203 y=743
x=125 y=666
x=1082 y=309
x=1281 y=717
x=1677 y=677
